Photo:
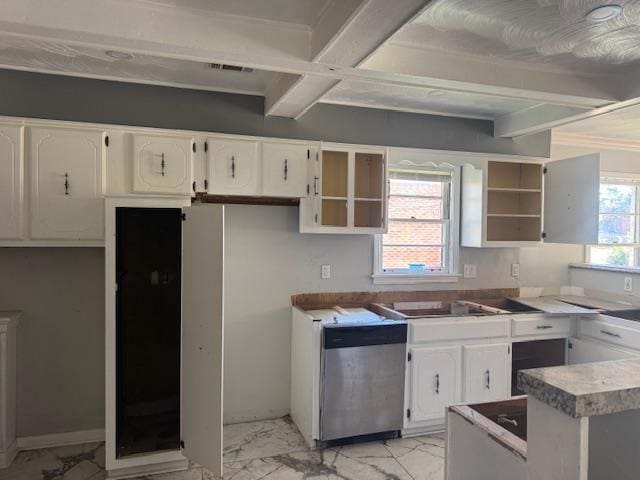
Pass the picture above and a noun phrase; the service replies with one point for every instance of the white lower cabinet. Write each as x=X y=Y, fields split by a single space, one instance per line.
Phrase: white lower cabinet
x=284 y=169
x=162 y=164
x=66 y=184
x=487 y=372
x=10 y=182
x=436 y=382
x=587 y=351
x=233 y=166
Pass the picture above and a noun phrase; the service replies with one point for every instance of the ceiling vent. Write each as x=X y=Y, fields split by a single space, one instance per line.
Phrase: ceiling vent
x=231 y=68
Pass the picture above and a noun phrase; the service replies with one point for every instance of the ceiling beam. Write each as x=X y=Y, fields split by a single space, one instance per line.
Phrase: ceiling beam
x=534 y=120
x=348 y=33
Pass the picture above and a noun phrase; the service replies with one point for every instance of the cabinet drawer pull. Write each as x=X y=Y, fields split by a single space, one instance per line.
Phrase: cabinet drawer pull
x=437 y=383
x=544 y=327
x=286 y=169
x=66 y=183
x=611 y=334
x=233 y=167
x=488 y=376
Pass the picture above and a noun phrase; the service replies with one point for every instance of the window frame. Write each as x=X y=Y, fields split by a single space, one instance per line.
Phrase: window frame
x=451 y=246
x=619 y=178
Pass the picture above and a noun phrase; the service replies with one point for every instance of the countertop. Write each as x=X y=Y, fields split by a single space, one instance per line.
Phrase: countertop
x=588 y=389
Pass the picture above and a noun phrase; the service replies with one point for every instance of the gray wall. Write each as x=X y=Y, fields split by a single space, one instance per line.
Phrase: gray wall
x=60 y=338
x=67 y=98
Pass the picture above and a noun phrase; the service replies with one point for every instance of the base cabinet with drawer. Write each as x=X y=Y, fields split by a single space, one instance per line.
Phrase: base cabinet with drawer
x=435 y=375
x=487 y=372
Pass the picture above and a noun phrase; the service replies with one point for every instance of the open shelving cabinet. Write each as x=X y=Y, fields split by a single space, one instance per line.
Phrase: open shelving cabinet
x=509 y=203
x=347 y=191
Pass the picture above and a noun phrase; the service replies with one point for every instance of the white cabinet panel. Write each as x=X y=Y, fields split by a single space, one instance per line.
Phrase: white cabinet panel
x=571 y=200
x=487 y=372
x=66 y=184
x=200 y=167
x=233 y=167
x=284 y=169
x=436 y=380
x=462 y=328
x=586 y=351
x=10 y=183
x=609 y=332
x=541 y=325
x=162 y=165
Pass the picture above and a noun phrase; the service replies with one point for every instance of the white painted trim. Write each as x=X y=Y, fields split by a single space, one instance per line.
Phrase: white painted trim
x=60 y=439
x=574 y=139
x=7 y=456
x=401 y=279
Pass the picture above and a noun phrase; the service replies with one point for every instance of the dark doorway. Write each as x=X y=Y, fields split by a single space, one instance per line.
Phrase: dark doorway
x=148 y=266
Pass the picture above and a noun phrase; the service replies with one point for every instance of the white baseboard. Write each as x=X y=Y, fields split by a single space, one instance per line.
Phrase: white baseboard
x=7 y=456
x=60 y=439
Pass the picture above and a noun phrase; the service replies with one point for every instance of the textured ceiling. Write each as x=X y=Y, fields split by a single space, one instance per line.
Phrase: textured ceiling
x=45 y=56
x=304 y=12
x=619 y=125
x=541 y=31
x=416 y=99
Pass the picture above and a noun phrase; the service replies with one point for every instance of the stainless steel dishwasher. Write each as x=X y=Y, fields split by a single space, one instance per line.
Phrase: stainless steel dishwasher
x=362 y=379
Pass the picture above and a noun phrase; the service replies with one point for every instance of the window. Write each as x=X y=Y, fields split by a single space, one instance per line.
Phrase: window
x=419 y=238
x=619 y=231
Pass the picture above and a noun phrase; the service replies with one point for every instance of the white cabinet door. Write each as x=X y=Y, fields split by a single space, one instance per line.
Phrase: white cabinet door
x=10 y=183
x=284 y=169
x=436 y=379
x=66 y=184
x=487 y=372
x=200 y=182
x=585 y=351
x=202 y=331
x=571 y=200
x=233 y=167
x=162 y=165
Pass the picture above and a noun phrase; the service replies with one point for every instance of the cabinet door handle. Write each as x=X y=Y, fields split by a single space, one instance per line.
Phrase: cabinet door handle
x=437 y=384
x=206 y=184
x=66 y=183
x=162 y=165
x=488 y=383
x=193 y=185
x=611 y=334
x=233 y=166
x=544 y=327
x=388 y=188
x=315 y=185
x=286 y=169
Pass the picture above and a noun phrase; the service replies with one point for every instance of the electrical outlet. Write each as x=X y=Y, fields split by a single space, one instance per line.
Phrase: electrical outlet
x=515 y=270
x=470 y=271
x=325 y=272
x=628 y=284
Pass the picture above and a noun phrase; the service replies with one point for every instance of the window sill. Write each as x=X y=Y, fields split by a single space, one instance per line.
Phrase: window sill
x=605 y=268
x=403 y=279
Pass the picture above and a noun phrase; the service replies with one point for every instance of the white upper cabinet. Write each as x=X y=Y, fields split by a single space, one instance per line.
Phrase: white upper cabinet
x=233 y=166
x=347 y=192
x=66 y=184
x=284 y=169
x=11 y=182
x=507 y=204
x=487 y=370
x=200 y=149
x=162 y=164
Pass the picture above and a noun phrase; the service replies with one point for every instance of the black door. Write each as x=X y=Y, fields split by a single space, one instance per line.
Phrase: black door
x=148 y=266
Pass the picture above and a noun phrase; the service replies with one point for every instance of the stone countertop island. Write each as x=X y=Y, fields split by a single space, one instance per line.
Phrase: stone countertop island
x=583 y=421
x=586 y=390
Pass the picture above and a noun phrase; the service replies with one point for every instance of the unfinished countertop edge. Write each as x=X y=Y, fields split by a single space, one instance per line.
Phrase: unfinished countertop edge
x=590 y=397
x=503 y=437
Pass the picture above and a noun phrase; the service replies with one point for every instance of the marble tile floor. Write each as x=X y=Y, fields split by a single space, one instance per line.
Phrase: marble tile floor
x=264 y=450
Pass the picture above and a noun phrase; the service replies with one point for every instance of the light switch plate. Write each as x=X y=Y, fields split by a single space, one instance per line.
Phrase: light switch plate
x=470 y=271
x=325 y=272
x=628 y=284
x=515 y=270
